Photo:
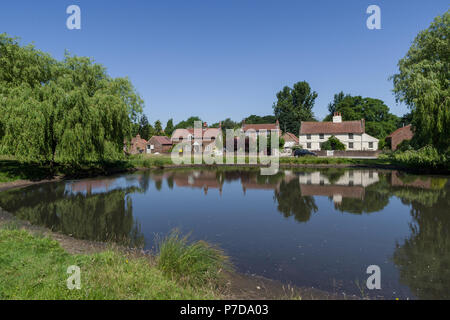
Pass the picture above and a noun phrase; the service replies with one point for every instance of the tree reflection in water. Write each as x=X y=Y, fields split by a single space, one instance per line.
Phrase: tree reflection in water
x=105 y=216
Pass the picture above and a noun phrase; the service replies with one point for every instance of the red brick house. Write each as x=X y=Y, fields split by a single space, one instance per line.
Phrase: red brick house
x=160 y=144
x=137 y=145
x=399 y=135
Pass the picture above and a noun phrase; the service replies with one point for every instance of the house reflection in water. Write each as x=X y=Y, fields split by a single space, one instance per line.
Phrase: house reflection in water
x=337 y=184
x=90 y=186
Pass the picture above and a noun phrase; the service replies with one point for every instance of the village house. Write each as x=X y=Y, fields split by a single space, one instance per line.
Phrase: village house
x=159 y=144
x=205 y=141
x=260 y=128
x=350 y=133
x=290 y=140
x=398 y=136
x=137 y=145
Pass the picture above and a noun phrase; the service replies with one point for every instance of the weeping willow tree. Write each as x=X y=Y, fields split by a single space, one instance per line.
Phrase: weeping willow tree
x=68 y=111
x=423 y=83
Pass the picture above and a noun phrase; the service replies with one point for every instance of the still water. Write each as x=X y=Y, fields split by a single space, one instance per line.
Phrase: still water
x=312 y=228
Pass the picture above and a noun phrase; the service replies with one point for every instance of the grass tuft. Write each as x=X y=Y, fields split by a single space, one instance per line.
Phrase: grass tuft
x=196 y=263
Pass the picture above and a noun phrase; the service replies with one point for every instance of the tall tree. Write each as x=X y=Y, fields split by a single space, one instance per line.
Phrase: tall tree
x=254 y=119
x=379 y=121
x=145 y=129
x=423 y=83
x=169 y=128
x=189 y=123
x=62 y=111
x=158 y=128
x=294 y=105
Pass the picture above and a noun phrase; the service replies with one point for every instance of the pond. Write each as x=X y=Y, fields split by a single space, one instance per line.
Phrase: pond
x=308 y=227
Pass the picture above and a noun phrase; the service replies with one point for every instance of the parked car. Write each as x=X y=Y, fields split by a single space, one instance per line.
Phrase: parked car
x=303 y=152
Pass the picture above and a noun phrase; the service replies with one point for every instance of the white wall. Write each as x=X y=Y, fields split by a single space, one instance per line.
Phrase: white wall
x=360 y=141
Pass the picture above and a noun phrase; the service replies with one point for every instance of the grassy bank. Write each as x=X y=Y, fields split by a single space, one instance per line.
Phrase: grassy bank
x=35 y=267
x=12 y=170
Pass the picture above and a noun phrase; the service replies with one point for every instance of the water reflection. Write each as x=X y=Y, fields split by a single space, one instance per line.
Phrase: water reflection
x=130 y=208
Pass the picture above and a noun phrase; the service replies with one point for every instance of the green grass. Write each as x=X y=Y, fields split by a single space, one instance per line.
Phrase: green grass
x=196 y=263
x=33 y=267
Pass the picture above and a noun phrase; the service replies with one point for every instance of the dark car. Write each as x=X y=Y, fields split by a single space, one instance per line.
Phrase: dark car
x=303 y=153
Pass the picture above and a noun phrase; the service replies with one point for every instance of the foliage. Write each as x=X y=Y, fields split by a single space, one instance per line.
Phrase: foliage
x=294 y=105
x=146 y=130
x=196 y=263
x=423 y=84
x=186 y=124
x=254 y=119
x=332 y=143
x=62 y=111
x=426 y=157
x=379 y=121
x=169 y=128
x=158 y=131
x=34 y=267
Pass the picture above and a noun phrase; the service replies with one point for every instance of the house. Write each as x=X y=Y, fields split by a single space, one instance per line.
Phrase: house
x=259 y=128
x=137 y=145
x=206 y=140
x=399 y=135
x=159 y=144
x=290 y=140
x=350 y=133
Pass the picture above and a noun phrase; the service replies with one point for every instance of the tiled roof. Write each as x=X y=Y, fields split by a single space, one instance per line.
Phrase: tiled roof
x=290 y=137
x=161 y=139
x=332 y=127
x=405 y=128
x=256 y=127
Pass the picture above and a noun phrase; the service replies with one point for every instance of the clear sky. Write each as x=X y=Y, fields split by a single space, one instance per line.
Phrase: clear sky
x=229 y=58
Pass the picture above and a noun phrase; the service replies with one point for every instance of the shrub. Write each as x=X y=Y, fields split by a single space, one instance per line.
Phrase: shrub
x=426 y=157
x=196 y=263
x=333 y=143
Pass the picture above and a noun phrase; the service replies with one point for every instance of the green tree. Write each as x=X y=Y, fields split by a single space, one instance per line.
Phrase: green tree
x=189 y=123
x=169 y=128
x=254 y=119
x=423 y=83
x=158 y=128
x=66 y=111
x=294 y=105
x=145 y=129
x=379 y=121
x=332 y=143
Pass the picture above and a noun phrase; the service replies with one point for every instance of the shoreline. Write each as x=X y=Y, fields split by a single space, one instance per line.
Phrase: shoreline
x=84 y=174
x=239 y=286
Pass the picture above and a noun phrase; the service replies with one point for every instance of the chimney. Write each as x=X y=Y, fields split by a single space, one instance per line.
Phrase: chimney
x=337 y=118
x=363 y=125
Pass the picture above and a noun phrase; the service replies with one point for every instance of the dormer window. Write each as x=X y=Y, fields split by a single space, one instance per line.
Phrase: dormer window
x=308 y=136
x=321 y=136
x=350 y=136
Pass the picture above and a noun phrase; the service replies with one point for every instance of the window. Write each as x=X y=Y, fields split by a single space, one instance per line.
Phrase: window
x=350 y=145
x=371 y=145
x=308 y=136
x=321 y=136
x=350 y=136
x=308 y=145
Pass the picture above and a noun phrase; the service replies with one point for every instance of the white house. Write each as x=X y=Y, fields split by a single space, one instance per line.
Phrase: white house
x=350 y=133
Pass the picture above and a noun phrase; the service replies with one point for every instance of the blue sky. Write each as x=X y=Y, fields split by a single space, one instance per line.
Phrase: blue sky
x=229 y=58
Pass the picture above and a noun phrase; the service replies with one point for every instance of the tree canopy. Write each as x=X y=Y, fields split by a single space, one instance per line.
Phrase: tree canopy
x=189 y=123
x=423 y=83
x=379 y=121
x=61 y=111
x=254 y=119
x=294 y=105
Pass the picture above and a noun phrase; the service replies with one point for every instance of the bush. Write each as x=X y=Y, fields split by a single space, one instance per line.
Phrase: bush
x=428 y=157
x=332 y=143
x=405 y=145
x=196 y=263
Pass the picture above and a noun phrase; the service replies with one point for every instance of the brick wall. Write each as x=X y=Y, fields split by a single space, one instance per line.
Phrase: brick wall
x=401 y=134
